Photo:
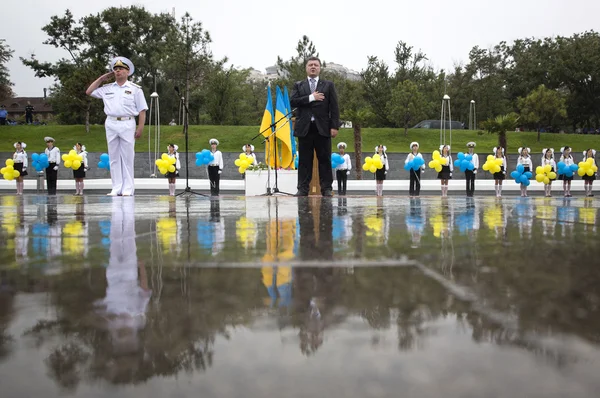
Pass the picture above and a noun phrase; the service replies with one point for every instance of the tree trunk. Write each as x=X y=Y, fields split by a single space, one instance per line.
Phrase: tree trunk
x=502 y=141
x=358 y=150
x=87 y=116
x=539 y=134
x=406 y=130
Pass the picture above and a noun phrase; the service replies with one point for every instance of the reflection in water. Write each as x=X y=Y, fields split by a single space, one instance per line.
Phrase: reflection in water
x=152 y=322
x=566 y=217
x=415 y=222
x=545 y=212
x=525 y=215
x=211 y=233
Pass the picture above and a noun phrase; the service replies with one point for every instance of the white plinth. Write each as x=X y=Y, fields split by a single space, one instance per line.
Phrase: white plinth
x=257 y=182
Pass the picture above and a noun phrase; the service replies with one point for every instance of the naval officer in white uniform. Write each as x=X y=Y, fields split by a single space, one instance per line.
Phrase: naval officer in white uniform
x=123 y=101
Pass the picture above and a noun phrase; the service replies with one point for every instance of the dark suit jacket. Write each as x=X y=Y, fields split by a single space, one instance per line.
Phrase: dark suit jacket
x=326 y=112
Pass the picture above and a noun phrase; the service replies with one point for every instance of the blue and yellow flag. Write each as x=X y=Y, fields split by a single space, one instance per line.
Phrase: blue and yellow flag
x=267 y=119
x=288 y=108
x=283 y=127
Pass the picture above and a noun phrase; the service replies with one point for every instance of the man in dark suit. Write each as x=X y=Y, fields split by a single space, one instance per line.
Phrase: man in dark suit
x=317 y=122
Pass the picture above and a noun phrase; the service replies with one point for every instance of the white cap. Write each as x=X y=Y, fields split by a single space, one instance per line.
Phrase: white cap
x=413 y=144
x=471 y=144
x=48 y=139
x=342 y=144
x=124 y=62
x=213 y=141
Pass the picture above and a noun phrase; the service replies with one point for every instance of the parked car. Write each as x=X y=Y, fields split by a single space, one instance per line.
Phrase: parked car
x=436 y=124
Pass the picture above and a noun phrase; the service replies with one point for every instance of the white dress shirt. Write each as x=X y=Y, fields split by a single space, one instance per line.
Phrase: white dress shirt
x=121 y=101
x=411 y=156
x=550 y=162
x=53 y=155
x=347 y=165
x=218 y=160
x=311 y=97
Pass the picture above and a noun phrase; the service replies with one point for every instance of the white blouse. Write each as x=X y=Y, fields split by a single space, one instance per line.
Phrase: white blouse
x=21 y=157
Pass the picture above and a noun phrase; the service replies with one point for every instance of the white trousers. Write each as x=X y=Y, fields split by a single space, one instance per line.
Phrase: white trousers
x=121 y=151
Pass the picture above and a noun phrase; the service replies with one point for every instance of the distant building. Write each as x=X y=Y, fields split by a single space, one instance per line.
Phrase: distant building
x=342 y=70
x=16 y=108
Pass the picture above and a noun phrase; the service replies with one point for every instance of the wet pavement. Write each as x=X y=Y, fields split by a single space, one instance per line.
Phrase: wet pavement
x=277 y=296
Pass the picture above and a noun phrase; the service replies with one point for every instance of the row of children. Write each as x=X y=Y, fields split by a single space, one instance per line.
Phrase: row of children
x=52 y=152
x=447 y=169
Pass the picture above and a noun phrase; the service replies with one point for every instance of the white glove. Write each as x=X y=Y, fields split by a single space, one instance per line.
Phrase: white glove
x=24 y=168
x=55 y=168
x=504 y=172
x=385 y=172
x=475 y=171
x=450 y=174
x=220 y=171
x=348 y=173
x=85 y=169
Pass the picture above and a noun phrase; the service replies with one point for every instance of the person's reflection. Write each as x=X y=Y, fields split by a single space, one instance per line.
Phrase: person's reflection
x=127 y=292
x=525 y=213
x=342 y=225
x=21 y=233
x=546 y=212
x=75 y=241
x=415 y=222
x=218 y=226
x=587 y=216
x=566 y=216
x=314 y=285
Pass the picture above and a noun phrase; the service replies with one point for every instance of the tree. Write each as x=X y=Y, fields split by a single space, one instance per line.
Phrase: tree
x=378 y=89
x=542 y=107
x=500 y=125
x=5 y=83
x=294 y=69
x=355 y=109
x=406 y=105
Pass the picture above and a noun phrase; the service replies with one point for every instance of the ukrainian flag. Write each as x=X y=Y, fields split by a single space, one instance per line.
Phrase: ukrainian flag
x=288 y=108
x=284 y=131
x=267 y=121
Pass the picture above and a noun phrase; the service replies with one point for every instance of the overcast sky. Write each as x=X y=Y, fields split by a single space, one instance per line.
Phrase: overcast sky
x=252 y=33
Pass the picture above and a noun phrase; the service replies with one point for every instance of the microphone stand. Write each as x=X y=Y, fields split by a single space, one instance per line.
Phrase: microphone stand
x=187 y=191
x=275 y=189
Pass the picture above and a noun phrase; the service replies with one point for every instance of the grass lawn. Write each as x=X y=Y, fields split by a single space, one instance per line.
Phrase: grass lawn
x=232 y=138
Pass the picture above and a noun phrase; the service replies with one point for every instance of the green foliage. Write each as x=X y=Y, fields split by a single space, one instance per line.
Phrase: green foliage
x=542 y=107
x=500 y=125
x=407 y=105
x=5 y=83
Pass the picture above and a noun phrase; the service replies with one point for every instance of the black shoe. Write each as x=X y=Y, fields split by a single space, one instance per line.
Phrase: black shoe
x=301 y=193
x=327 y=193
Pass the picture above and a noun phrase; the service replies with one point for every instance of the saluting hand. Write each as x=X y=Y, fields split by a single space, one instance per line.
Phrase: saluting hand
x=107 y=76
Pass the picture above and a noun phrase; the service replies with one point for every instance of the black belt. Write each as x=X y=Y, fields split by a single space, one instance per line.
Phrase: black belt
x=342 y=169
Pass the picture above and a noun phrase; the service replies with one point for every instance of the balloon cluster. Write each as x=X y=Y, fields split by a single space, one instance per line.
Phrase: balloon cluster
x=521 y=176
x=544 y=174
x=9 y=171
x=73 y=241
x=39 y=162
x=246 y=231
x=243 y=162
x=336 y=160
x=72 y=160
x=438 y=161
x=414 y=164
x=166 y=164
x=204 y=157
x=587 y=168
x=493 y=164
x=464 y=162
x=373 y=164
x=104 y=162
x=565 y=170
